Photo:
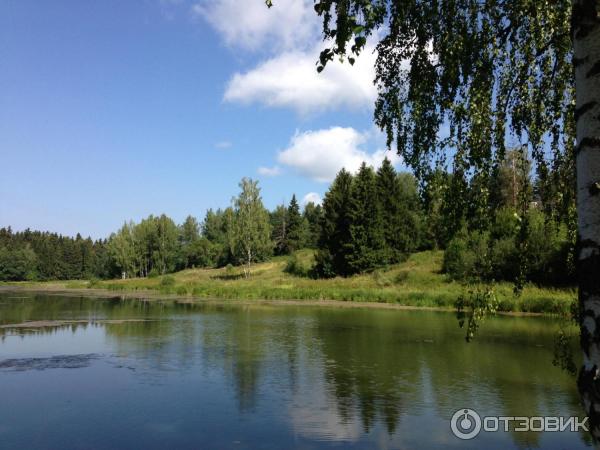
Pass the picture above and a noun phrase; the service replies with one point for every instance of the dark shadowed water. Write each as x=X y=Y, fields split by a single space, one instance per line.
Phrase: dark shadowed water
x=240 y=377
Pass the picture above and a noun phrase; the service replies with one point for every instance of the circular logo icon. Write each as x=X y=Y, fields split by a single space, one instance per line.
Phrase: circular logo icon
x=465 y=424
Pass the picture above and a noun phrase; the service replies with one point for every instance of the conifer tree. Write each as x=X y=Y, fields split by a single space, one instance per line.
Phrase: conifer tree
x=388 y=192
x=295 y=228
x=334 y=239
x=367 y=237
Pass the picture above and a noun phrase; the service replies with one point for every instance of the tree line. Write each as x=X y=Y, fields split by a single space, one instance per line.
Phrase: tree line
x=242 y=234
x=369 y=220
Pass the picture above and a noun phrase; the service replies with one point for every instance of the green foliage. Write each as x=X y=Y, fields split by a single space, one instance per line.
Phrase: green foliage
x=335 y=240
x=381 y=278
x=398 y=201
x=167 y=281
x=250 y=231
x=17 y=263
x=433 y=195
x=190 y=252
x=401 y=277
x=369 y=220
x=455 y=259
x=481 y=67
x=52 y=256
x=367 y=246
x=290 y=229
x=154 y=243
x=478 y=303
x=466 y=257
x=182 y=290
x=541 y=257
x=279 y=226
x=294 y=266
x=485 y=70
x=566 y=340
x=313 y=215
x=215 y=229
x=296 y=230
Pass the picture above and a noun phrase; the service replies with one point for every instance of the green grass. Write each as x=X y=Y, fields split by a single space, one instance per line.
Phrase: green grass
x=416 y=282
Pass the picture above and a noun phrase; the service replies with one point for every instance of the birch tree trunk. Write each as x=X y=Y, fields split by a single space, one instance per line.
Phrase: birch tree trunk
x=586 y=60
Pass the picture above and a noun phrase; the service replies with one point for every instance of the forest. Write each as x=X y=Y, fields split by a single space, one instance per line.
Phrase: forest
x=508 y=227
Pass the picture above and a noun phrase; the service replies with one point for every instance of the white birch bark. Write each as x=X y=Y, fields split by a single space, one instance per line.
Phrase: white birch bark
x=586 y=60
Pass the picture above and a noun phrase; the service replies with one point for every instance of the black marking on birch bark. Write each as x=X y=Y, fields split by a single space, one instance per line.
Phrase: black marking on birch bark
x=595 y=70
x=579 y=61
x=589 y=389
x=585 y=338
x=588 y=270
x=583 y=109
x=588 y=142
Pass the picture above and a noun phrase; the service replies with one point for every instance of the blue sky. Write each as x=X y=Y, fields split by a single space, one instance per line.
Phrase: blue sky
x=114 y=110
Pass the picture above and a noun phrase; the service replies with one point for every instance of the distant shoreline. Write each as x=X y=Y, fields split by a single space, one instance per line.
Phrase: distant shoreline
x=155 y=296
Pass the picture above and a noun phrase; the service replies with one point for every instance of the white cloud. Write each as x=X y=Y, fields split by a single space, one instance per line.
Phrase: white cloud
x=250 y=25
x=269 y=171
x=312 y=197
x=321 y=154
x=290 y=80
x=222 y=145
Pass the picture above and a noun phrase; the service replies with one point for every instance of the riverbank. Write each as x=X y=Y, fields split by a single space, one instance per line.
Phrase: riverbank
x=416 y=283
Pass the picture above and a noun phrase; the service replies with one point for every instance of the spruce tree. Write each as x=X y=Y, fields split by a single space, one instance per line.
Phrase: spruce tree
x=295 y=229
x=388 y=192
x=334 y=239
x=367 y=237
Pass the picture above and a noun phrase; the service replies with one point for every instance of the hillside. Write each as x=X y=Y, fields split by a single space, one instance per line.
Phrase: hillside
x=416 y=282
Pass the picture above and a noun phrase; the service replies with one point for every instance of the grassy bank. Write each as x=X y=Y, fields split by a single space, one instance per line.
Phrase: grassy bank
x=416 y=282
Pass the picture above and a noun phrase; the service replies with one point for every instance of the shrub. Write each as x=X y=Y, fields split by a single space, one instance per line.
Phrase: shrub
x=547 y=251
x=153 y=273
x=323 y=267
x=504 y=259
x=167 y=281
x=506 y=224
x=401 y=277
x=466 y=256
x=295 y=267
x=455 y=263
x=497 y=255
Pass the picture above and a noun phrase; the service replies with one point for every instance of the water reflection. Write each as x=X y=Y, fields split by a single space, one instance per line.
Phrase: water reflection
x=302 y=376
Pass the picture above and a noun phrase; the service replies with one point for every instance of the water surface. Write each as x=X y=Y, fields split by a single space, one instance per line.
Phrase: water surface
x=268 y=377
